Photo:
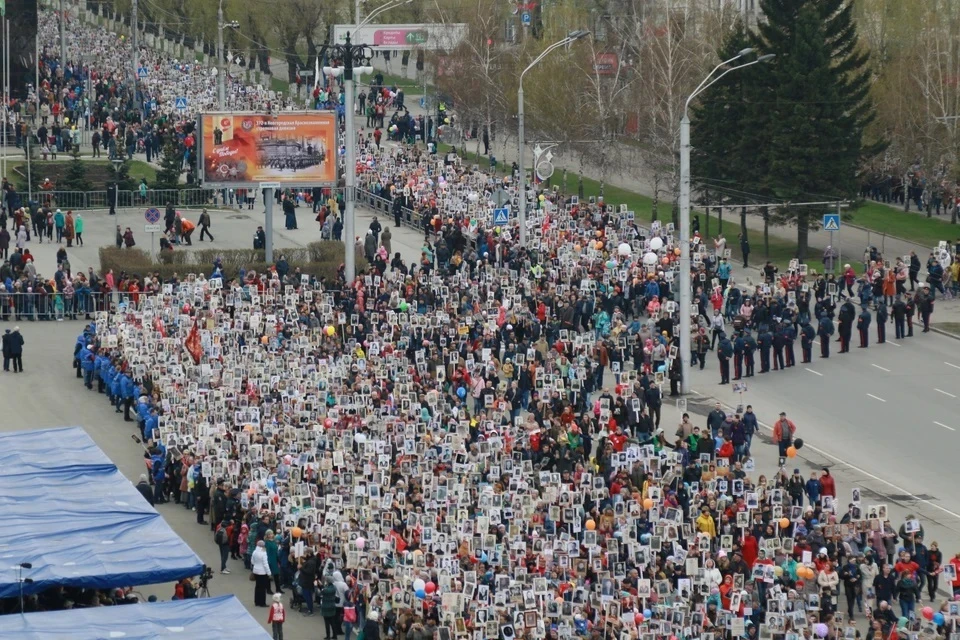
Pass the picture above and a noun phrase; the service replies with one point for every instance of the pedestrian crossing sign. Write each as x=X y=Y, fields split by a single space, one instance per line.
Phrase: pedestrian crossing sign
x=831 y=222
x=142 y=72
x=180 y=103
x=501 y=216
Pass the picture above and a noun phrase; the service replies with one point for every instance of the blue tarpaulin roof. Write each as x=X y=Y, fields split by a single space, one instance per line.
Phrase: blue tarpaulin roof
x=222 y=617
x=70 y=513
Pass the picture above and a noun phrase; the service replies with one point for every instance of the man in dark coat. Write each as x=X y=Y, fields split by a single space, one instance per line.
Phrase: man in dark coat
x=15 y=342
x=144 y=488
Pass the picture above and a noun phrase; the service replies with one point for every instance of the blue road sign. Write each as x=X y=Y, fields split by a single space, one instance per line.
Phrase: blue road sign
x=831 y=222
x=525 y=18
x=142 y=72
x=501 y=217
x=152 y=215
x=180 y=103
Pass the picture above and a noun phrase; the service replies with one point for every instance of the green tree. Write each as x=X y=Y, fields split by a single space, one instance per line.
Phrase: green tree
x=168 y=175
x=818 y=95
x=121 y=175
x=76 y=177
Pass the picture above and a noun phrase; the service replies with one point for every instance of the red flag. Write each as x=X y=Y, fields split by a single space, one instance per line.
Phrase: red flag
x=160 y=328
x=192 y=343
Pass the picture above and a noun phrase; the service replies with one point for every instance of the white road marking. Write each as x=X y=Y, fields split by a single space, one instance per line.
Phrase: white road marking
x=951 y=365
x=893 y=343
x=866 y=474
x=946 y=393
x=881 y=368
x=876 y=398
x=940 y=424
x=814 y=372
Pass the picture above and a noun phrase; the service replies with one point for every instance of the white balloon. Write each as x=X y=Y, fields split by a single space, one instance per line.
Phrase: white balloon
x=419 y=584
x=360 y=438
x=656 y=244
x=650 y=259
x=624 y=249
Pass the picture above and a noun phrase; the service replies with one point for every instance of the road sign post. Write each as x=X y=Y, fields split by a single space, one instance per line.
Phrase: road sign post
x=267 y=188
x=831 y=223
x=152 y=216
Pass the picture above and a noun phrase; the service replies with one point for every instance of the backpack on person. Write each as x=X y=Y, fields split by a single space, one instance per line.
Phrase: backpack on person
x=220 y=537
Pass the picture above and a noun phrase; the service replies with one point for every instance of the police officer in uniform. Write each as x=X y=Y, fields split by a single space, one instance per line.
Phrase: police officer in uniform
x=807 y=334
x=778 y=344
x=738 y=347
x=764 y=341
x=724 y=353
x=749 y=346
x=825 y=331
x=911 y=307
x=882 y=317
x=789 y=337
x=899 y=317
x=863 y=326
x=846 y=316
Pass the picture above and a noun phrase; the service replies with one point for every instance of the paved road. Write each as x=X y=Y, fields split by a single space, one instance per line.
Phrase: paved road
x=892 y=410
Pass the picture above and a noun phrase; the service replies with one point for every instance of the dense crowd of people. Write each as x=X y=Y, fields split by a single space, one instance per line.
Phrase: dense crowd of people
x=471 y=444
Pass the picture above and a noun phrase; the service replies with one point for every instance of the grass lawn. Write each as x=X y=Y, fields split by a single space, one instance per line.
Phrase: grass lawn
x=140 y=169
x=949 y=327
x=781 y=251
x=909 y=226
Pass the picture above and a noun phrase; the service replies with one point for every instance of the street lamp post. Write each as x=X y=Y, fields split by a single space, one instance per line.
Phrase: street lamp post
x=221 y=72
x=686 y=292
x=355 y=58
x=522 y=182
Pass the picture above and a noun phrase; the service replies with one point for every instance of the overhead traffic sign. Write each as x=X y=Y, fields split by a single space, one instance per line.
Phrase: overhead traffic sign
x=180 y=103
x=831 y=222
x=501 y=217
x=152 y=215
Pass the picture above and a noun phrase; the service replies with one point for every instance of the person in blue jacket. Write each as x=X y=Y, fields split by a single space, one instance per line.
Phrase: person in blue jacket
x=100 y=370
x=86 y=358
x=128 y=389
x=115 y=390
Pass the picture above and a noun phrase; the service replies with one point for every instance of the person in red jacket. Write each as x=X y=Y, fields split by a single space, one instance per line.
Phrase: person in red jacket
x=277 y=616
x=827 y=485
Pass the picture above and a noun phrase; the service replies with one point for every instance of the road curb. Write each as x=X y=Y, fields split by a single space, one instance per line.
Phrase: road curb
x=949 y=334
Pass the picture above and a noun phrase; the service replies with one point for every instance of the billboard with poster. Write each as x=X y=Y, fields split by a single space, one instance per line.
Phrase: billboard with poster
x=294 y=148
x=430 y=37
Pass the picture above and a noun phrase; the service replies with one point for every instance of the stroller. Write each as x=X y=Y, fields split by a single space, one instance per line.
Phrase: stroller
x=296 y=593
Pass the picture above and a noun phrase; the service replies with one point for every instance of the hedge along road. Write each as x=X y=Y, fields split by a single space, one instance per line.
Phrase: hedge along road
x=232 y=229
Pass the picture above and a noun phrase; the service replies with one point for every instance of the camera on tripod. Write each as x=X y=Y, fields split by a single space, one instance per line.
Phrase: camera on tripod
x=205 y=576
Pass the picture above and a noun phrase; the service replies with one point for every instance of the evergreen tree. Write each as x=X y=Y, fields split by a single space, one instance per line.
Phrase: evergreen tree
x=817 y=105
x=120 y=174
x=76 y=177
x=168 y=176
x=724 y=155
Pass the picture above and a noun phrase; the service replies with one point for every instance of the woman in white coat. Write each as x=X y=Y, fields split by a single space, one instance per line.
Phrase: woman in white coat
x=261 y=574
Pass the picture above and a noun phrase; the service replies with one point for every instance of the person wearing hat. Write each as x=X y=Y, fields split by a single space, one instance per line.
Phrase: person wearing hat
x=14 y=342
x=924 y=303
x=277 y=617
x=371 y=628
x=143 y=486
x=863 y=326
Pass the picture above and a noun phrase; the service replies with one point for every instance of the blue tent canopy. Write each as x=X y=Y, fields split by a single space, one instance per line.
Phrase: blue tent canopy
x=70 y=513
x=223 y=617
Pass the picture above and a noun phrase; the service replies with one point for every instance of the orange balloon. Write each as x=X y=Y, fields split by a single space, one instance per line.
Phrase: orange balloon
x=676 y=252
x=648 y=503
x=591 y=525
x=784 y=523
x=296 y=532
x=665 y=261
x=791 y=452
x=598 y=245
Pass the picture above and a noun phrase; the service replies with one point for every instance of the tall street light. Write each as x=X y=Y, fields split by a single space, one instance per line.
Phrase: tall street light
x=522 y=210
x=221 y=72
x=354 y=57
x=686 y=293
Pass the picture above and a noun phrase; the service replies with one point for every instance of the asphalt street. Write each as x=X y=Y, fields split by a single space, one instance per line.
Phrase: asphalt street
x=891 y=410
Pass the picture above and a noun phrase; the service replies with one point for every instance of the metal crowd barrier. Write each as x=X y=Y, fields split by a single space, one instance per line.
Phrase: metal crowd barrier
x=80 y=200
x=32 y=306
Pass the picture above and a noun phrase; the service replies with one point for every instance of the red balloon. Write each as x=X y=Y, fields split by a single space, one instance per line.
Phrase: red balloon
x=430 y=587
x=328 y=423
x=638 y=618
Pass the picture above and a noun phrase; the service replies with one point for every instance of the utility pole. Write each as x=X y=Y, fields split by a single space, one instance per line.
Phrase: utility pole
x=63 y=36
x=136 y=50
x=221 y=82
